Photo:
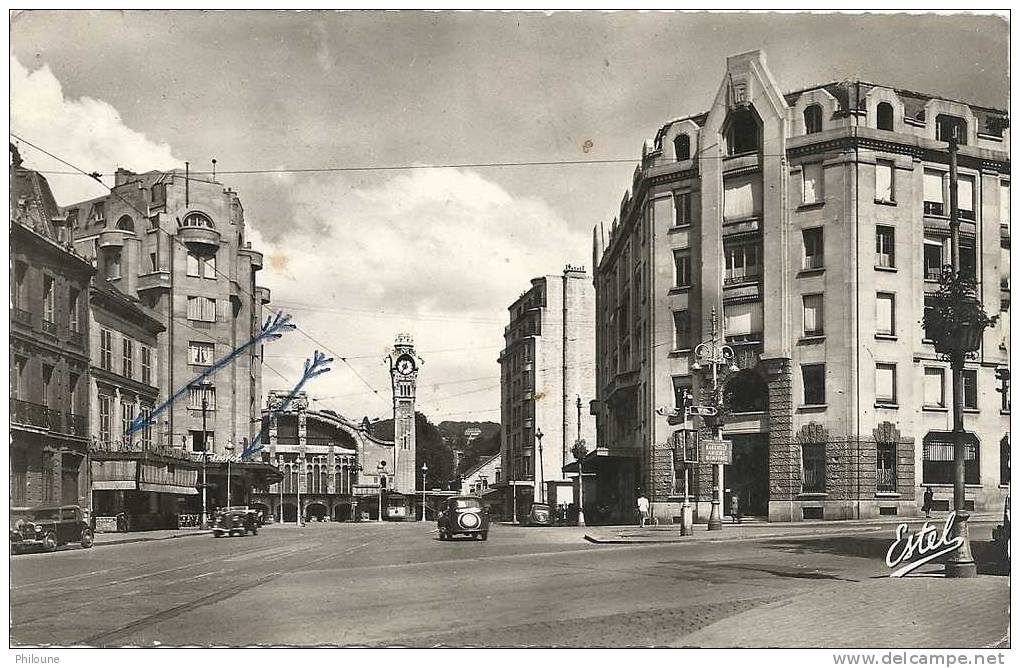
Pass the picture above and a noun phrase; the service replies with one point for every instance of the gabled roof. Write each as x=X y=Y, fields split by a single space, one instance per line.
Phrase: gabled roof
x=474 y=469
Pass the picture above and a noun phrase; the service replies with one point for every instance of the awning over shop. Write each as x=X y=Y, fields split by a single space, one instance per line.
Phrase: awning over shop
x=166 y=489
x=114 y=484
x=603 y=453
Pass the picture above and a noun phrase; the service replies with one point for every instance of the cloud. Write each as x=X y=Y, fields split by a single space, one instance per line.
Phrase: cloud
x=85 y=132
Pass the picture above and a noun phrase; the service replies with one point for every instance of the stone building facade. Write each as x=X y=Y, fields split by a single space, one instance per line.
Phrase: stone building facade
x=49 y=348
x=546 y=369
x=177 y=245
x=812 y=224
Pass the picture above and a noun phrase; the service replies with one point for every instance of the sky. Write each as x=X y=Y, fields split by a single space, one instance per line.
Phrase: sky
x=358 y=256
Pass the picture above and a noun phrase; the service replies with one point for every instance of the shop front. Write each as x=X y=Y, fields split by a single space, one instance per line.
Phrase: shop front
x=141 y=490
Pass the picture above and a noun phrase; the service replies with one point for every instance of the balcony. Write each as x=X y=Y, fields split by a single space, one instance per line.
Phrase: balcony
x=34 y=415
x=737 y=277
x=254 y=256
x=155 y=280
x=113 y=238
x=49 y=327
x=21 y=315
x=201 y=238
x=262 y=295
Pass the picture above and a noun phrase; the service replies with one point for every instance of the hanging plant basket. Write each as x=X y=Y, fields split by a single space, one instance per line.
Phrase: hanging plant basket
x=955 y=320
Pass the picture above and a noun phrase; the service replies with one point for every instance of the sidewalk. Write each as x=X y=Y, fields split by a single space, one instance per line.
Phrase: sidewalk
x=921 y=611
x=103 y=539
x=670 y=533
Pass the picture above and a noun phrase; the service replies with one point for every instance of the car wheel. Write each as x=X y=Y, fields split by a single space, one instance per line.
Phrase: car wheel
x=484 y=535
x=50 y=542
x=88 y=539
x=442 y=535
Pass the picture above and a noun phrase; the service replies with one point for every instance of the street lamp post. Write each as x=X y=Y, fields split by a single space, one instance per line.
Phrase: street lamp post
x=424 y=471
x=580 y=449
x=205 y=462
x=541 y=469
x=715 y=354
x=229 y=447
x=382 y=470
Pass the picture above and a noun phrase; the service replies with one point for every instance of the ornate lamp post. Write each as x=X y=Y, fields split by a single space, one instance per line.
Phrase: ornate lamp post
x=541 y=473
x=203 y=386
x=229 y=447
x=382 y=471
x=715 y=354
x=424 y=470
x=579 y=451
x=955 y=323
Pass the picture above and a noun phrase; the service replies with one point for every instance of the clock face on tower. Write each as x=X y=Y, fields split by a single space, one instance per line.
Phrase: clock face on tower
x=405 y=365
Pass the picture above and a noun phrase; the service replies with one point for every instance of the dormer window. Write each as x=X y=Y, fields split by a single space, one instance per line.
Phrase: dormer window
x=813 y=119
x=946 y=126
x=742 y=132
x=99 y=212
x=884 y=116
x=682 y=144
x=198 y=220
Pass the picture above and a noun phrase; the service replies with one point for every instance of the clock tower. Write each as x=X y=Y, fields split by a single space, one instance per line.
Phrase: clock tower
x=404 y=364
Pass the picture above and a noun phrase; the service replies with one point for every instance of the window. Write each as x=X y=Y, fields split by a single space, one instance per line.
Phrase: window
x=75 y=307
x=934 y=258
x=885 y=383
x=203 y=441
x=153 y=262
x=814 y=255
x=681 y=384
x=813 y=459
x=49 y=299
x=742 y=198
x=681 y=330
x=1004 y=202
x=106 y=349
x=19 y=383
x=885 y=247
x=145 y=414
x=128 y=358
x=814 y=384
x=743 y=322
x=99 y=212
x=202 y=308
x=125 y=223
x=885 y=314
x=885 y=467
x=970 y=389
x=47 y=388
x=682 y=145
x=947 y=126
x=884 y=181
x=682 y=209
x=968 y=258
x=1002 y=375
x=934 y=387
x=127 y=416
x=885 y=116
x=937 y=462
x=965 y=197
x=682 y=265
x=813 y=119
x=934 y=195
x=105 y=417
x=197 y=220
x=113 y=263
x=196 y=394
x=813 y=316
x=21 y=299
x=741 y=132
x=928 y=305
x=812 y=177
x=742 y=263
x=203 y=266
x=146 y=356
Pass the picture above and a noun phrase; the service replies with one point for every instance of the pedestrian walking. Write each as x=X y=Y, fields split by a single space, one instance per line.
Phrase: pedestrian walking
x=929 y=499
x=735 y=507
x=642 y=506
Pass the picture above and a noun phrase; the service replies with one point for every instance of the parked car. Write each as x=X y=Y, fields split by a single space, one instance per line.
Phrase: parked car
x=49 y=527
x=231 y=522
x=540 y=515
x=463 y=515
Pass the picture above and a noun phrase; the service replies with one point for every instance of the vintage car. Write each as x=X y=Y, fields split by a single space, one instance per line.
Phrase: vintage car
x=540 y=515
x=231 y=522
x=463 y=515
x=49 y=527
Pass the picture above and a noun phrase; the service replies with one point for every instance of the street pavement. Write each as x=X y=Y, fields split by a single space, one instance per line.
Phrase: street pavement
x=393 y=584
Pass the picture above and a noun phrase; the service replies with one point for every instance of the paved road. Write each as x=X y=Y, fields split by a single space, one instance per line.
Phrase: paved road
x=396 y=584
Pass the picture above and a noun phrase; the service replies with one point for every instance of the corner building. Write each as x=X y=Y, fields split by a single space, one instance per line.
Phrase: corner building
x=813 y=224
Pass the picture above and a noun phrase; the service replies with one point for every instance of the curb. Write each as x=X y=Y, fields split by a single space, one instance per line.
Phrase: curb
x=142 y=539
x=734 y=539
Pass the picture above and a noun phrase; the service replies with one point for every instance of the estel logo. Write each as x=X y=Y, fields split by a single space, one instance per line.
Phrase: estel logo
x=925 y=545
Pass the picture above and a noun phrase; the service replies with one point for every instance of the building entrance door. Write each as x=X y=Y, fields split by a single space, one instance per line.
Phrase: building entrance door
x=748 y=476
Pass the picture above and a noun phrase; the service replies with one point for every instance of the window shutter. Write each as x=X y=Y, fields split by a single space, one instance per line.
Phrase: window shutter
x=194 y=308
x=741 y=198
x=1003 y=203
x=742 y=319
x=885 y=382
x=933 y=387
x=932 y=186
x=965 y=193
x=812 y=314
x=884 y=314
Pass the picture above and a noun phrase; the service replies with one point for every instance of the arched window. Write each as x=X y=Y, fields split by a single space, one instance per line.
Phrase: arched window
x=747 y=392
x=682 y=144
x=884 y=120
x=125 y=223
x=741 y=132
x=197 y=220
x=813 y=119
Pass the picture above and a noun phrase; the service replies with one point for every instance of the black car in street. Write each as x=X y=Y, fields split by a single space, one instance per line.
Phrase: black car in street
x=464 y=515
x=49 y=527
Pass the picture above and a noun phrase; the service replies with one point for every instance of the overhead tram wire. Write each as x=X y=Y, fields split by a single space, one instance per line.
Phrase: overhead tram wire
x=173 y=237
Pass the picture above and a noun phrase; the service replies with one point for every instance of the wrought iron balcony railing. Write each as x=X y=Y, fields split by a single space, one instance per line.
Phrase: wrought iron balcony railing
x=886 y=480
x=49 y=327
x=21 y=315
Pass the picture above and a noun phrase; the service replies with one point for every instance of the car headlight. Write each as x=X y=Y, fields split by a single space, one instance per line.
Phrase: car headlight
x=469 y=520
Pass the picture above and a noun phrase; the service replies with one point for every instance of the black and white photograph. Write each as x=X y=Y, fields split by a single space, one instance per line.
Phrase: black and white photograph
x=447 y=329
